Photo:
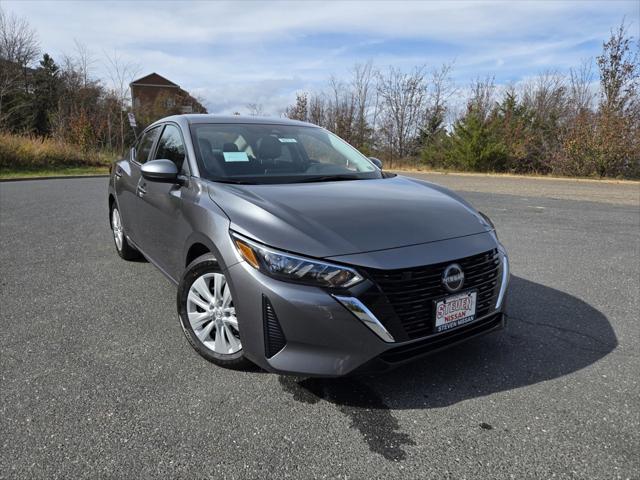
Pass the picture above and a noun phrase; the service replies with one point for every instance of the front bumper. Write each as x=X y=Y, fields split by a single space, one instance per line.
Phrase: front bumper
x=410 y=351
x=316 y=335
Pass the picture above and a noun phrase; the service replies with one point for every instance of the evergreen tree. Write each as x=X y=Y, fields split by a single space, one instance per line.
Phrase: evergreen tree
x=433 y=138
x=46 y=88
x=474 y=144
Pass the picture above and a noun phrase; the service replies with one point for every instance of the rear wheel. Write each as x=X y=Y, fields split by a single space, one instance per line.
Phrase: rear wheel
x=208 y=315
x=124 y=249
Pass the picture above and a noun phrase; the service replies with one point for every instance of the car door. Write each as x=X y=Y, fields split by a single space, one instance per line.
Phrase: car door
x=128 y=179
x=166 y=229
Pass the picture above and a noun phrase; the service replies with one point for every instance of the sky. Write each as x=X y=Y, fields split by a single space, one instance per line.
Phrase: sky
x=232 y=54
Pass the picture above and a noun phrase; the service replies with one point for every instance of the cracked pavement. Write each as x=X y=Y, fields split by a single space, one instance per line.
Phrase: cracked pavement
x=97 y=380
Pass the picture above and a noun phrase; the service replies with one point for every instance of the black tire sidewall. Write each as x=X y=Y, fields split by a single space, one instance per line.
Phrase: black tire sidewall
x=200 y=266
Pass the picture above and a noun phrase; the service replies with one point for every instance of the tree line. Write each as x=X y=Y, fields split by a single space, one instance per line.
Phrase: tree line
x=61 y=99
x=584 y=123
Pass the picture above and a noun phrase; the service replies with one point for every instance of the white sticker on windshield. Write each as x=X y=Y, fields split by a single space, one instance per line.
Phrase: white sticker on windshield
x=288 y=140
x=235 y=156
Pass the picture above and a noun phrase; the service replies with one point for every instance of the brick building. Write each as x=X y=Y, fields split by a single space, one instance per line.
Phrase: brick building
x=153 y=92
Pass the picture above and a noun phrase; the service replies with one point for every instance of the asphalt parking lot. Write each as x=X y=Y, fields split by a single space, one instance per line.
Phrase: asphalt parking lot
x=97 y=380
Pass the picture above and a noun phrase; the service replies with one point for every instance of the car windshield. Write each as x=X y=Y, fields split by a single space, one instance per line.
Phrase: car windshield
x=260 y=153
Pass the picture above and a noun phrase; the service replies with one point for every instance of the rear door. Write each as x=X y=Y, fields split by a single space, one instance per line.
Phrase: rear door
x=128 y=182
x=166 y=229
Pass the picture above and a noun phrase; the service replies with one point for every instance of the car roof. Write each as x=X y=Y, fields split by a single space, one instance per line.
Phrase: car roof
x=197 y=118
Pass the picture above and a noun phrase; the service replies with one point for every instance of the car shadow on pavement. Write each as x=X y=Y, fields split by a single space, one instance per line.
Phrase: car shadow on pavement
x=549 y=334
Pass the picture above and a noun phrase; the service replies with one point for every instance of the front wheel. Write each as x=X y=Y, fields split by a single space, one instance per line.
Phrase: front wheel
x=208 y=315
x=124 y=249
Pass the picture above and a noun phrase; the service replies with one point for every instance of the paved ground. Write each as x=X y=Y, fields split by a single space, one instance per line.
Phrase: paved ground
x=621 y=192
x=97 y=380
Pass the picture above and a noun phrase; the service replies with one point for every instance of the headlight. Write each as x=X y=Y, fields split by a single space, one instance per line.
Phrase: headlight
x=292 y=268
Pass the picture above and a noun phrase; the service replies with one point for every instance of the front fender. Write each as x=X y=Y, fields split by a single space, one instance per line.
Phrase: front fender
x=210 y=227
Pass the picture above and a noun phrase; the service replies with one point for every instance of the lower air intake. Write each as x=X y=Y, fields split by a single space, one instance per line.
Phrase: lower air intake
x=274 y=339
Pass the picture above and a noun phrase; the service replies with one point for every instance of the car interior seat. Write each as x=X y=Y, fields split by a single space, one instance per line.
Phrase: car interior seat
x=248 y=167
x=229 y=147
x=210 y=161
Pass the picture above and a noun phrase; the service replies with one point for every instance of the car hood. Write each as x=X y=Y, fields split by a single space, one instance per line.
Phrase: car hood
x=327 y=219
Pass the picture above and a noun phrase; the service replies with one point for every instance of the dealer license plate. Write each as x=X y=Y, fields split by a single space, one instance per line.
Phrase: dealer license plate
x=455 y=311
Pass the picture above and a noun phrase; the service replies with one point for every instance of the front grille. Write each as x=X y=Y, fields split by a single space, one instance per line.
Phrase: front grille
x=274 y=339
x=411 y=292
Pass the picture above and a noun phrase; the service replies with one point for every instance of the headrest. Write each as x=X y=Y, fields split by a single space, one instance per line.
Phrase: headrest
x=229 y=147
x=269 y=147
x=205 y=146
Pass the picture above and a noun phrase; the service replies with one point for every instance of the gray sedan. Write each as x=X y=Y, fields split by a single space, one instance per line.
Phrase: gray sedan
x=293 y=251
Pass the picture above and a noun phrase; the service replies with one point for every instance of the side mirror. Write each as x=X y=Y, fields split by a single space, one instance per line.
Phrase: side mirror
x=163 y=171
x=377 y=162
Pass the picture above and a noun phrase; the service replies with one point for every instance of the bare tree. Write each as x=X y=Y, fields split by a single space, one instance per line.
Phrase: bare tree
x=341 y=108
x=580 y=87
x=19 y=47
x=402 y=102
x=18 y=41
x=344 y=107
x=84 y=61
x=483 y=97
x=441 y=89
x=546 y=96
x=362 y=88
x=77 y=84
x=121 y=73
x=318 y=110
x=255 y=110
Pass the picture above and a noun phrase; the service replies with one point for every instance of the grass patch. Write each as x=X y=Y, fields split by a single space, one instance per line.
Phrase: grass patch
x=12 y=174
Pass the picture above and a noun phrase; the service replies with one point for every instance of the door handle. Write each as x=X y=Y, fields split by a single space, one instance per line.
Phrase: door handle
x=140 y=190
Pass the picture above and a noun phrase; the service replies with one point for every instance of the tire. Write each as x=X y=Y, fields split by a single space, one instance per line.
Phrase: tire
x=207 y=314
x=124 y=249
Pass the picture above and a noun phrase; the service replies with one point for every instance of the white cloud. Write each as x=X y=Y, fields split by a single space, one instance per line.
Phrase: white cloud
x=264 y=51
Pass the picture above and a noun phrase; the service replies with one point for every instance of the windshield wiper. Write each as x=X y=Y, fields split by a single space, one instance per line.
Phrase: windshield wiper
x=328 y=178
x=230 y=180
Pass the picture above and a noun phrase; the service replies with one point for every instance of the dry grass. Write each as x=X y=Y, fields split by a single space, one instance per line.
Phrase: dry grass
x=21 y=153
x=415 y=165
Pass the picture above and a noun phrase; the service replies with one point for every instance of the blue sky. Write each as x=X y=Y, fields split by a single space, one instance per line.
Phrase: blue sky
x=235 y=53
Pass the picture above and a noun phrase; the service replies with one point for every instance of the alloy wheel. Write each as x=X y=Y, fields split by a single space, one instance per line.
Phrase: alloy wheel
x=212 y=315
x=116 y=225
